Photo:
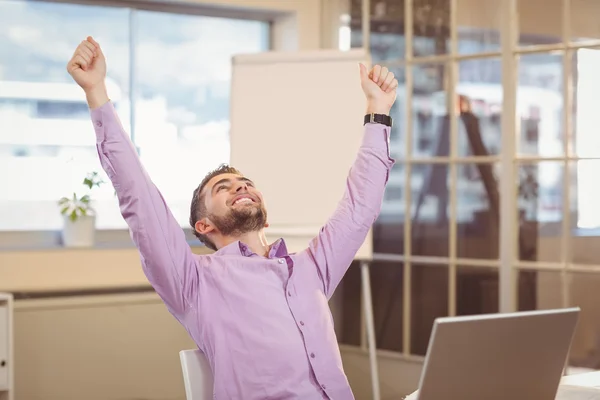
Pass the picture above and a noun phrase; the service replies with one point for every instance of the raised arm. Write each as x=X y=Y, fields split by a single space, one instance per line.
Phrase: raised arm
x=334 y=248
x=167 y=260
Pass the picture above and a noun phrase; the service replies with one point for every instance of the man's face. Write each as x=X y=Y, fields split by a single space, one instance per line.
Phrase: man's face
x=233 y=205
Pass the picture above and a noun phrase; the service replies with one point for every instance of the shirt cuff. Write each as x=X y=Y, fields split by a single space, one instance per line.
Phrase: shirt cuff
x=377 y=136
x=100 y=117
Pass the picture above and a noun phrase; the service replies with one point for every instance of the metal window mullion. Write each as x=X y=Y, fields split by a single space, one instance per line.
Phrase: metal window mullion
x=527 y=159
x=408 y=132
x=494 y=263
x=539 y=266
x=565 y=277
x=442 y=58
x=367 y=300
x=363 y=318
x=586 y=269
x=452 y=104
x=567 y=134
x=367 y=308
x=507 y=183
x=549 y=48
x=453 y=159
x=366 y=26
x=566 y=120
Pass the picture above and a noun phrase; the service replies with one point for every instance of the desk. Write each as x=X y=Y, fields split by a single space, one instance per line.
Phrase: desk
x=572 y=387
x=580 y=387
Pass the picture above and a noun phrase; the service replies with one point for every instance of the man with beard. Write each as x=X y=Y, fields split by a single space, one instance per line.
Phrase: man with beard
x=259 y=313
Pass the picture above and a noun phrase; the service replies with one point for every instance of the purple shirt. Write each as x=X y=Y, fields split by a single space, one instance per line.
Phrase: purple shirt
x=263 y=323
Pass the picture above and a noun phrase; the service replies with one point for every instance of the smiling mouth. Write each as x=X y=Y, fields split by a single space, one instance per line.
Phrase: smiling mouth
x=243 y=200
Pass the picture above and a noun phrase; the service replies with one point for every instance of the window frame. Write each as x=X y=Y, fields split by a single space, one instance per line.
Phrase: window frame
x=507 y=264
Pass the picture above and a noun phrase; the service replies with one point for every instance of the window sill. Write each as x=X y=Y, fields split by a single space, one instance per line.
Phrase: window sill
x=56 y=268
x=113 y=239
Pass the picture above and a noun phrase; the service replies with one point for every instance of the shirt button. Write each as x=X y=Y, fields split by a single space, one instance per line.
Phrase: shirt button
x=302 y=323
x=99 y=124
x=324 y=387
x=281 y=261
x=312 y=355
x=290 y=294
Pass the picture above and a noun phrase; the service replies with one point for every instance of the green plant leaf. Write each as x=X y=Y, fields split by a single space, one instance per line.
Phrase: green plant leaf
x=92 y=180
x=75 y=205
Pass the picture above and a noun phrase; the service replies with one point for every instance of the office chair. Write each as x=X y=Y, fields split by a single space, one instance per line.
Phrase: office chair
x=197 y=375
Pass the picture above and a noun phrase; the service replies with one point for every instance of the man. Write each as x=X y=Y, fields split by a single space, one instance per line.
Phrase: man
x=259 y=313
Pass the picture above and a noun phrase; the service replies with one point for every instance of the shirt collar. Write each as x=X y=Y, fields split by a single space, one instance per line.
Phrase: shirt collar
x=278 y=249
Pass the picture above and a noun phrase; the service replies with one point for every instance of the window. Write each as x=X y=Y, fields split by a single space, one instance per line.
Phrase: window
x=182 y=105
x=168 y=76
x=437 y=240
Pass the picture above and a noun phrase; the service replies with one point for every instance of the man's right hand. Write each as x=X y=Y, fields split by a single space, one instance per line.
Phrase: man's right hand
x=88 y=69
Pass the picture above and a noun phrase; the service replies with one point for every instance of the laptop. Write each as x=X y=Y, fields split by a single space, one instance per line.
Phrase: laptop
x=514 y=356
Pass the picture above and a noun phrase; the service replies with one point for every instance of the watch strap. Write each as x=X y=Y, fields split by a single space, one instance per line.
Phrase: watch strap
x=378 y=119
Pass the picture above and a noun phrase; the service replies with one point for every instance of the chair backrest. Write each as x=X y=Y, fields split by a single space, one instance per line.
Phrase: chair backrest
x=197 y=375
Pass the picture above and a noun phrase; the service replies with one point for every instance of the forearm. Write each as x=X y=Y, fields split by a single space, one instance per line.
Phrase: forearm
x=97 y=96
x=378 y=108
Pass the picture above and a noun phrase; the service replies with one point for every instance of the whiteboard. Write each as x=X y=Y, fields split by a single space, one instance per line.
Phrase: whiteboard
x=296 y=126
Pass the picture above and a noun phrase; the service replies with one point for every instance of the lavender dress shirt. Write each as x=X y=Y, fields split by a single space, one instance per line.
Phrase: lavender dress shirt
x=263 y=323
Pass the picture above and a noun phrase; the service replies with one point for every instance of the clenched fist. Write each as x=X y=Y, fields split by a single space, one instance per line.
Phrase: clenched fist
x=88 y=69
x=379 y=86
x=88 y=66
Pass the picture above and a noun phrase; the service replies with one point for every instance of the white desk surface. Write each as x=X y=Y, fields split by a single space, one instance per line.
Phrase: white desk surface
x=580 y=387
x=584 y=386
x=588 y=379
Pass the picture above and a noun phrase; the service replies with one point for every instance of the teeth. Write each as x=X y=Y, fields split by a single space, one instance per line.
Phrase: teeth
x=243 y=200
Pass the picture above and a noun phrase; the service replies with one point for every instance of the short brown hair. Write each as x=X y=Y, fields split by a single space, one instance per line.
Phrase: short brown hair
x=198 y=206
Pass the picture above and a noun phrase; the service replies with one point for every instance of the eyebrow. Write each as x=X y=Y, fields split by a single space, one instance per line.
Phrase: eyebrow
x=227 y=180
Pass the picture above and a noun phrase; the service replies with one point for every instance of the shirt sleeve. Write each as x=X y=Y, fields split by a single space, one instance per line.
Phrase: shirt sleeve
x=334 y=248
x=167 y=260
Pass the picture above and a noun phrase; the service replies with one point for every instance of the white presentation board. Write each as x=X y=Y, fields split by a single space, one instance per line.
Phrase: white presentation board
x=296 y=126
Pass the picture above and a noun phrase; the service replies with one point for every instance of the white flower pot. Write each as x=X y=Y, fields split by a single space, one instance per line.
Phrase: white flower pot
x=79 y=233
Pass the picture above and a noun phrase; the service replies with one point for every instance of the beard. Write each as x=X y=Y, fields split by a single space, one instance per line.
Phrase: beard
x=240 y=221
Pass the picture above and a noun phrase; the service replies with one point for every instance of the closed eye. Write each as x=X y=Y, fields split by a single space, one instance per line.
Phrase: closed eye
x=221 y=187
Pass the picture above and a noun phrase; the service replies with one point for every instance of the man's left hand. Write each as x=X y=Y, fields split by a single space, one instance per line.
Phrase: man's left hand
x=379 y=86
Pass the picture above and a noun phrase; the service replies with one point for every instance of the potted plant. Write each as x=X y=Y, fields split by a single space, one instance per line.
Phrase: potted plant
x=79 y=216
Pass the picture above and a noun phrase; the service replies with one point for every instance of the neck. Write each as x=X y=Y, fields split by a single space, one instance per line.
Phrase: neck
x=256 y=242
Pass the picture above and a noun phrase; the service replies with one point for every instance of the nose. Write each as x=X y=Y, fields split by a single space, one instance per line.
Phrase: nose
x=241 y=186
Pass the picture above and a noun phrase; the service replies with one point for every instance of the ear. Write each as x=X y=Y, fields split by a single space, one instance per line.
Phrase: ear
x=204 y=226
x=266 y=224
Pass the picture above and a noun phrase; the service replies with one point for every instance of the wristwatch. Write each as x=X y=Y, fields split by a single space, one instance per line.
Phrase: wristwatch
x=379 y=119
